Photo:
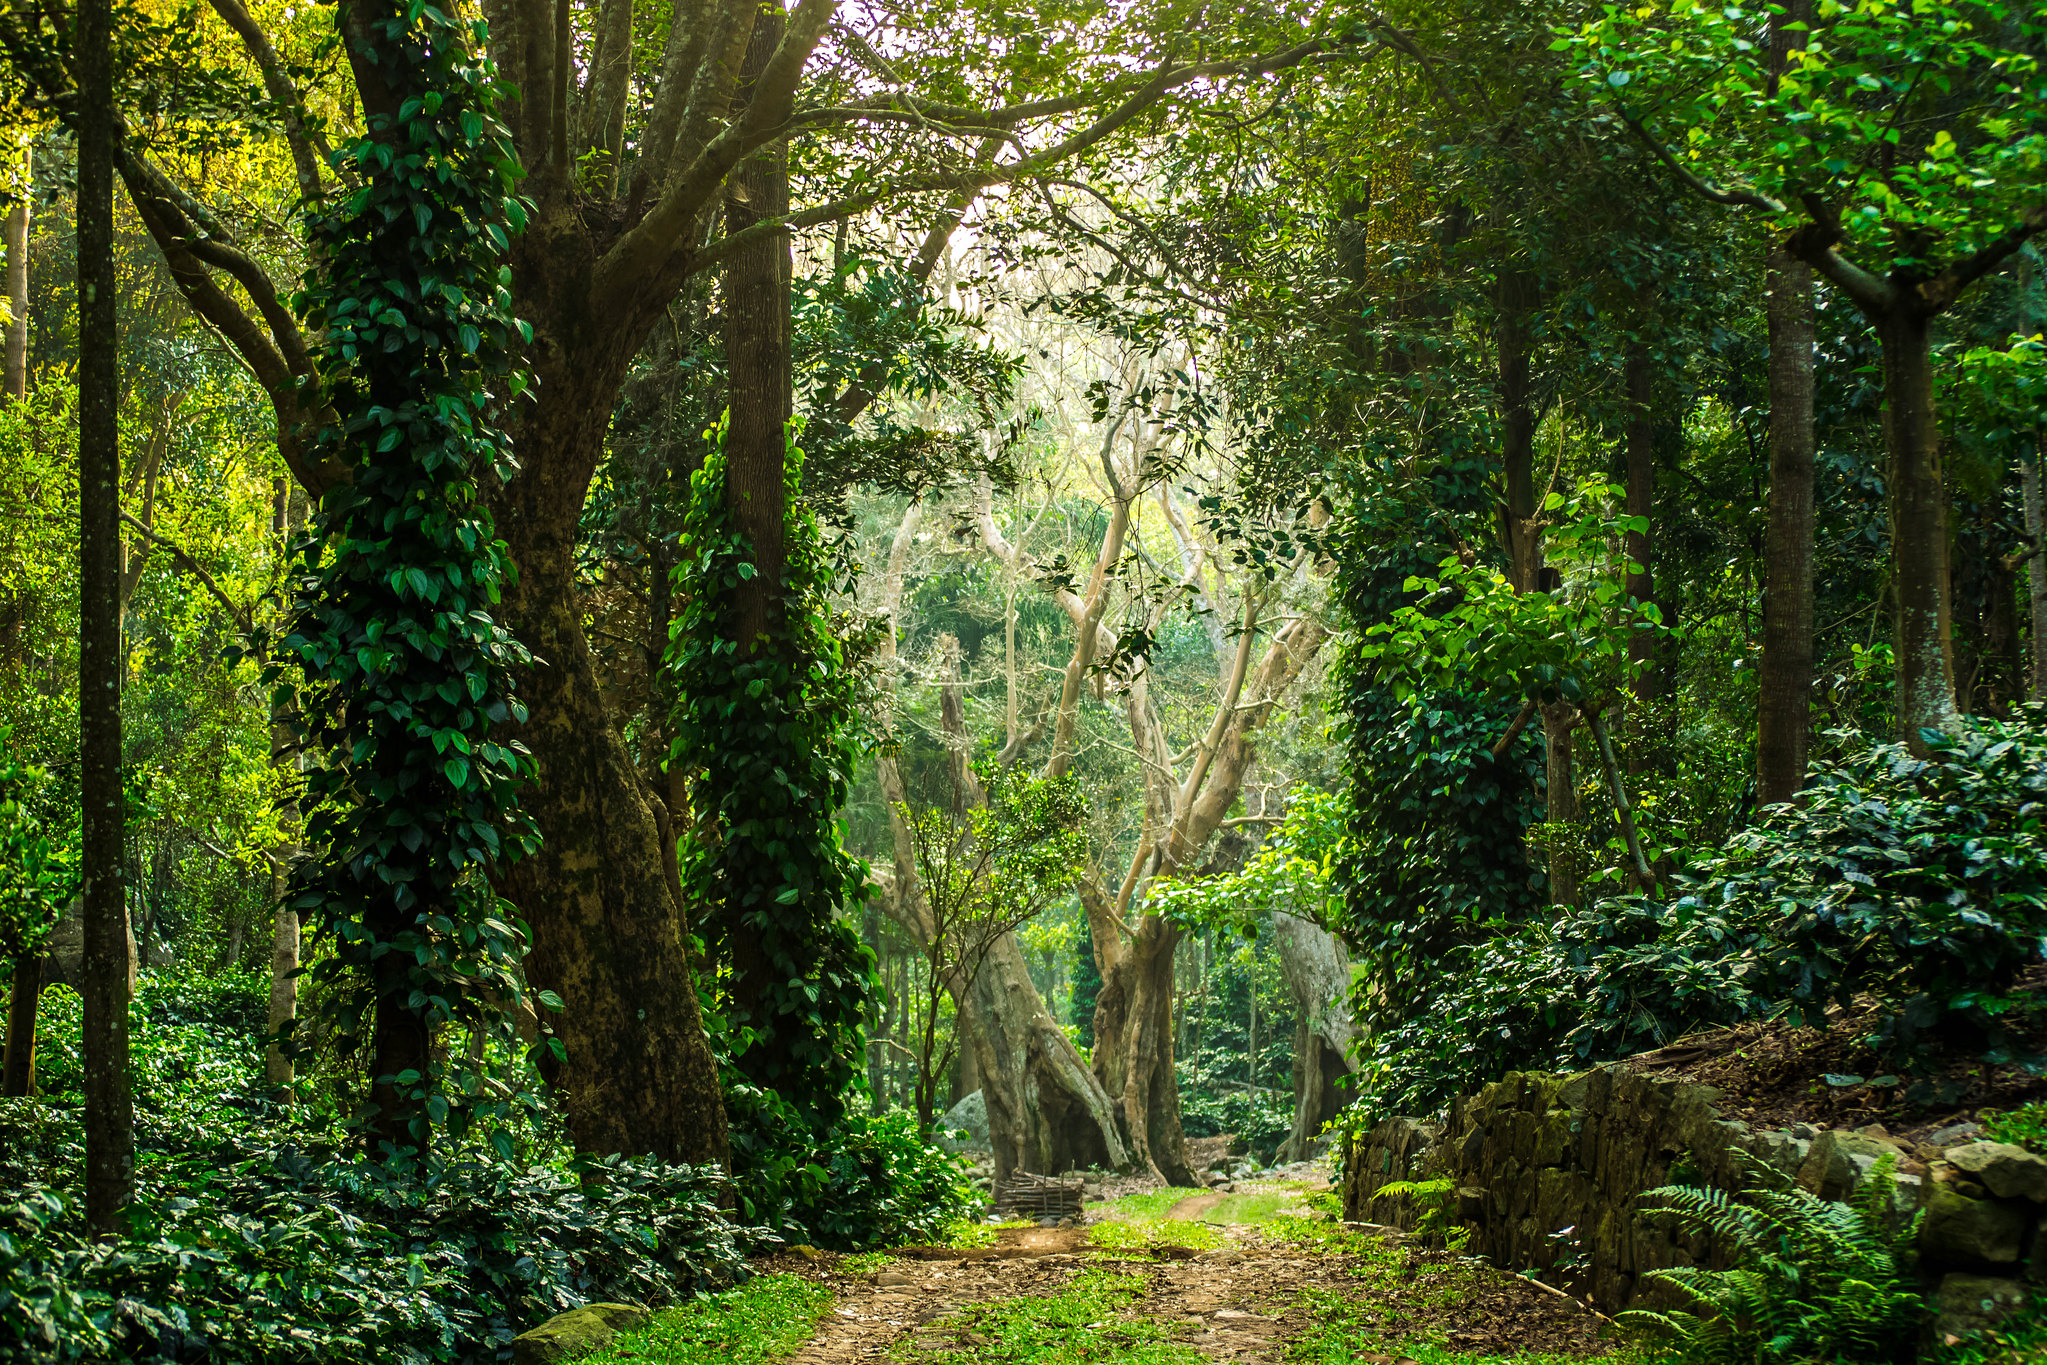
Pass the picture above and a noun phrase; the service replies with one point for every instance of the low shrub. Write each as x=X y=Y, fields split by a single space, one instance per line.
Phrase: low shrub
x=1919 y=882
x=869 y=1181
x=258 y=1236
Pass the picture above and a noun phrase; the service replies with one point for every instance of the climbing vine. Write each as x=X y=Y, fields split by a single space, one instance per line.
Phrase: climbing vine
x=768 y=732
x=403 y=686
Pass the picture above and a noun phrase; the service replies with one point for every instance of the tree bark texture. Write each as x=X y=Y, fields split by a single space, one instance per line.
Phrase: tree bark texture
x=1318 y=976
x=109 y=1102
x=1133 y=1054
x=1919 y=528
x=18 y=1071
x=760 y=398
x=1559 y=719
x=2036 y=573
x=14 y=238
x=1784 y=673
x=1640 y=378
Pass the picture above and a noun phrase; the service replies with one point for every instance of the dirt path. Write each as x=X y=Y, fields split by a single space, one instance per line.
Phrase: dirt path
x=1255 y=1299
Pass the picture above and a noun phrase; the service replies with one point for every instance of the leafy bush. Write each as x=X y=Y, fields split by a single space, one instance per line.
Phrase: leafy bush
x=2025 y=1126
x=1261 y=1118
x=867 y=1181
x=1812 y=1279
x=257 y=1235
x=1921 y=882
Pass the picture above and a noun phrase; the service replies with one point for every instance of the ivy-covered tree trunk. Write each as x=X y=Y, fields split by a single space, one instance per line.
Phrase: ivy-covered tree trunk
x=760 y=399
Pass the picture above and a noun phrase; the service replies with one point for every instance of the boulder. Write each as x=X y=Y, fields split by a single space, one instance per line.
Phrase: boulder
x=2006 y=1171
x=970 y=1116
x=1838 y=1161
x=1968 y=1304
x=578 y=1332
x=1962 y=1231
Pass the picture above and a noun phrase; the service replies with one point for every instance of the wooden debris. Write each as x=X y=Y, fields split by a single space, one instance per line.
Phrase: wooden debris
x=1039 y=1196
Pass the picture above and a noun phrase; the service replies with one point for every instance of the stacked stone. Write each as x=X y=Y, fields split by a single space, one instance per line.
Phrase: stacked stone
x=1549 y=1172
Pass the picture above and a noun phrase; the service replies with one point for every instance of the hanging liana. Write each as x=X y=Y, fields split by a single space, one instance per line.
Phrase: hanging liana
x=397 y=673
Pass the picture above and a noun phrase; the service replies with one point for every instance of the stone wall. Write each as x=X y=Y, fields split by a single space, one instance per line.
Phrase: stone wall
x=1548 y=1172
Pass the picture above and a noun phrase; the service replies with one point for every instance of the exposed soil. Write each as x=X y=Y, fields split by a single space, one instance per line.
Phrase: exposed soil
x=1242 y=1302
x=1775 y=1074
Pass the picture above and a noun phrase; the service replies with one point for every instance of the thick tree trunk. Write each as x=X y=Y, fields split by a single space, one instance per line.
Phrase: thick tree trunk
x=610 y=933
x=2036 y=573
x=1133 y=1056
x=1784 y=673
x=109 y=1102
x=1318 y=976
x=1919 y=529
x=1046 y=1112
x=1520 y=517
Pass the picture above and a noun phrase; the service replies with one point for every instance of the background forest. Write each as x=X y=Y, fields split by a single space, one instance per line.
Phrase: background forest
x=699 y=583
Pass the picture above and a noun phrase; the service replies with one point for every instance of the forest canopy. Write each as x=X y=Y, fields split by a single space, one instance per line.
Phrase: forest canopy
x=617 y=616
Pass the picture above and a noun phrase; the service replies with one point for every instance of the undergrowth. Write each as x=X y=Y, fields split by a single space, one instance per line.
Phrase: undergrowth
x=1346 y=1329
x=1143 y=1235
x=762 y=1321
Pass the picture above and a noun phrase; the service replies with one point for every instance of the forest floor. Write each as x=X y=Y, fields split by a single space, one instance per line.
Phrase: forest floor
x=1157 y=1277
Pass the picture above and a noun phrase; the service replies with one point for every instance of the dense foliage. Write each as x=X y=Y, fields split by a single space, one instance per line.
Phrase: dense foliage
x=407 y=678
x=1918 y=882
x=257 y=1236
x=766 y=732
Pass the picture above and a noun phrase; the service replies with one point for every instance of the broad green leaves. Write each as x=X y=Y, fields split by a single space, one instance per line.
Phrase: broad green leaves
x=405 y=672
x=1470 y=626
x=1920 y=130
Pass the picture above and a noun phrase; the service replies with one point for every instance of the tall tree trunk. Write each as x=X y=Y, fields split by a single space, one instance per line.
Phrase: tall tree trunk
x=1640 y=582
x=18 y=1071
x=1318 y=976
x=1046 y=1111
x=2036 y=571
x=1784 y=673
x=1559 y=719
x=1133 y=1056
x=109 y=1102
x=1919 y=528
x=14 y=238
x=757 y=365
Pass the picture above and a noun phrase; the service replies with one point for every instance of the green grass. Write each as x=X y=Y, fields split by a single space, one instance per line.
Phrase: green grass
x=864 y=1262
x=1145 y=1204
x=1344 y=1328
x=1086 y=1321
x=1260 y=1206
x=967 y=1233
x=1144 y=1234
x=764 y=1320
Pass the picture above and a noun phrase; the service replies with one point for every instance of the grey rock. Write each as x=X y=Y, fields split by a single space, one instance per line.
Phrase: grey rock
x=1838 y=1162
x=1808 y=1131
x=1968 y=1304
x=1954 y=1132
x=578 y=1332
x=2007 y=1171
x=1962 y=1231
x=970 y=1116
